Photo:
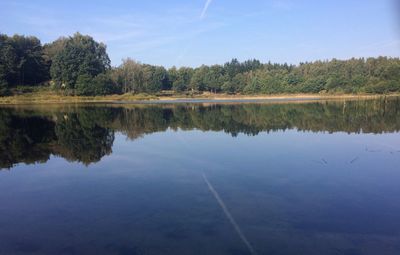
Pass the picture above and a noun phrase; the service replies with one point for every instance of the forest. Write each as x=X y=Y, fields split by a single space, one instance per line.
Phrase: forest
x=79 y=65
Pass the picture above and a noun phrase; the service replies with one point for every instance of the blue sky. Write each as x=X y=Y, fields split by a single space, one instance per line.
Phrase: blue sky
x=195 y=32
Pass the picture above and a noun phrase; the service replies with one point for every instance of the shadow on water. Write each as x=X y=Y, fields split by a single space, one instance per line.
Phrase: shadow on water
x=86 y=133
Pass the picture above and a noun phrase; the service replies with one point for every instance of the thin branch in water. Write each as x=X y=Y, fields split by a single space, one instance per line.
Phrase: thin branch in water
x=229 y=216
x=354 y=160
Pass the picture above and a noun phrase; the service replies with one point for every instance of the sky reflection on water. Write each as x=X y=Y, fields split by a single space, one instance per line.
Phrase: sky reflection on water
x=316 y=178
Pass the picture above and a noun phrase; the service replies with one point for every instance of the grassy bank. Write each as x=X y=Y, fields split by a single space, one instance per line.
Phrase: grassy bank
x=42 y=95
x=45 y=95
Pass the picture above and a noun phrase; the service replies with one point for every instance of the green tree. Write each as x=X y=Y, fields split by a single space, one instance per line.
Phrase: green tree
x=197 y=80
x=21 y=60
x=213 y=79
x=30 y=62
x=81 y=55
x=84 y=85
x=4 y=91
x=8 y=62
x=50 y=50
x=184 y=75
x=103 y=85
x=173 y=76
x=155 y=78
x=129 y=76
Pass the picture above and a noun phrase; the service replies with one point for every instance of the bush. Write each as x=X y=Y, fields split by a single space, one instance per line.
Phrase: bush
x=314 y=85
x=84 y=85
x=382 y=87
x=4 y=91
x=104 y=85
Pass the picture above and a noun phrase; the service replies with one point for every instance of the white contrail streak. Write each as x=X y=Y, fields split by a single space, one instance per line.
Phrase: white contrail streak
x=229 y=216
x=203 y=13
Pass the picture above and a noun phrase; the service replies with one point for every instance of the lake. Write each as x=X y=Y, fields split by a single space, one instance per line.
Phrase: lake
x=318 y=177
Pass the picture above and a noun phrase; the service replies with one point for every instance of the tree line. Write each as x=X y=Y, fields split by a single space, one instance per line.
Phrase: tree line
x=78 y=65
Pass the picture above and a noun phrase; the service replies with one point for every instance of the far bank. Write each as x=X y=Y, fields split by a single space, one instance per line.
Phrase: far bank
x=53 y=97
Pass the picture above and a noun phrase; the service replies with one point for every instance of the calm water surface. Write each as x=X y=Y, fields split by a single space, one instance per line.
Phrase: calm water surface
x=297 y=178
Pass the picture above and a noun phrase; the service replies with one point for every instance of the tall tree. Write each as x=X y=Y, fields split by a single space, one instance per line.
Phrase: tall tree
x=8 y=63
x=30 y=61
x=156 y=78
x=184 y=75
x=50 y=50
x=129 y=76
x=21 y=60
x=81 y=55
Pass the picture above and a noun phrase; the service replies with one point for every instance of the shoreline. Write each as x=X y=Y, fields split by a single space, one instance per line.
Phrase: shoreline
x=39 y=98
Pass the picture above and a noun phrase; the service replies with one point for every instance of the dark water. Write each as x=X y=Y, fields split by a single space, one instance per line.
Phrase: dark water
x=312 y=178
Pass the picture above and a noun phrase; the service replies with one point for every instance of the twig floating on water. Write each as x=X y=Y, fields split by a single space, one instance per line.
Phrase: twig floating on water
x=229 y=216
x=354 y=160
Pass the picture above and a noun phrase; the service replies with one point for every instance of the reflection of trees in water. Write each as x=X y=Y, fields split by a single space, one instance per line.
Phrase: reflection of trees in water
x=24 y=139
x=373 y=116
x=31 y=139
x=136 y=122
x=86 y=134
x=81 y=139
